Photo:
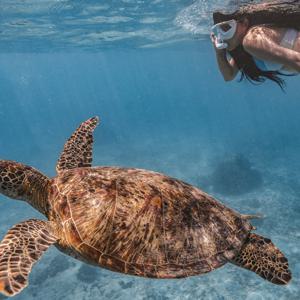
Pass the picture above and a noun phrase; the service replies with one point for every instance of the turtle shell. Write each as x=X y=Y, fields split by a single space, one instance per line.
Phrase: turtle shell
x=144 y=223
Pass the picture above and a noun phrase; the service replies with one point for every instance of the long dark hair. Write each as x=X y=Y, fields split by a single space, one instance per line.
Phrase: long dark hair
x=275 y=13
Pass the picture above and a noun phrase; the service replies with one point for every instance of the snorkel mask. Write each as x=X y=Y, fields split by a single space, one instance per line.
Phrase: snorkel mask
x=223 y=31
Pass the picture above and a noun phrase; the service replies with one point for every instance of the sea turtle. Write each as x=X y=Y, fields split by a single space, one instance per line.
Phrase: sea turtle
x=127 y=220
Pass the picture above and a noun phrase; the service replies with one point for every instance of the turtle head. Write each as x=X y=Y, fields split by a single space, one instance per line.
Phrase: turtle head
x=22 y=182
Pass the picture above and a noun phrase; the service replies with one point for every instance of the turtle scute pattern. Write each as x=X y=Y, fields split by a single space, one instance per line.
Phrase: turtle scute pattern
x=144 y=223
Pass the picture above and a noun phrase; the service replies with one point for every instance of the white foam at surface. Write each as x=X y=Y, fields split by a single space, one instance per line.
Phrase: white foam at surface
x=56 y=23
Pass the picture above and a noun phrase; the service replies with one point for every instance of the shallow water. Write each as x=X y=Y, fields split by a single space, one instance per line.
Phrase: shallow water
x=163 y=106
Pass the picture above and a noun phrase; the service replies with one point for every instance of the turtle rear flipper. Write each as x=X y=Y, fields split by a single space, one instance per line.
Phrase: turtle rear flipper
x=78 y=148
x=261 y=256
x=21 y=247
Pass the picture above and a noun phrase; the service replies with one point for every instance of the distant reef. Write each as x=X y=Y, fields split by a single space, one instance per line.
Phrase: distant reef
x=235 y=176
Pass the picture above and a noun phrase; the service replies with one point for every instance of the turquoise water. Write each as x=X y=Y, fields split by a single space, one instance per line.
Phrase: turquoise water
x=163 y=106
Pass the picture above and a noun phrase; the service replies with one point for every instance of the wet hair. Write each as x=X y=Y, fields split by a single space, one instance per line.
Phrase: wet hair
x=279 y=14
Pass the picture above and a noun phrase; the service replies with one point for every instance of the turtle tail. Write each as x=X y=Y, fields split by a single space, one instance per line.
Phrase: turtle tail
x=261 y=256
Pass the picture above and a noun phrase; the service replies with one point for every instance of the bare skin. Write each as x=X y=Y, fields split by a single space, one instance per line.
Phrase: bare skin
x=262 y=42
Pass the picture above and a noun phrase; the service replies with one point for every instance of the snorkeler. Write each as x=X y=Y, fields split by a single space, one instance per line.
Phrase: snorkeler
x=262 y=41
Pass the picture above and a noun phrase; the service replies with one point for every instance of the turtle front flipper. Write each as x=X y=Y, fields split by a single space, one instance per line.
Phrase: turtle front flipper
x=21 y=247
x=78 y=149
x=261 y=256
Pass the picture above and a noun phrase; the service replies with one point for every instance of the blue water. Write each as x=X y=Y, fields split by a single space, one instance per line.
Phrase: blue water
x=163 y=106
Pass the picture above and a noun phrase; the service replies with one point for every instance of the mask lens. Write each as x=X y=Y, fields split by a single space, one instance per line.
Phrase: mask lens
x=223 y=32
x=225 y=27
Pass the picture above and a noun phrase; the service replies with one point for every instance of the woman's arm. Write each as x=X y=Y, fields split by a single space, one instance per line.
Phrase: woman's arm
x=227 y=68
x=259 y=44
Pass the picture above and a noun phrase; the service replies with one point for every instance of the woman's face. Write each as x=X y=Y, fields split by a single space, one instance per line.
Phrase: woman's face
x=237 y=39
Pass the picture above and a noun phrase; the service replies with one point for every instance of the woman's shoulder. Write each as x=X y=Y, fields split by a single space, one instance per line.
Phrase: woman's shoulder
x=264 y=30
x=258 y=33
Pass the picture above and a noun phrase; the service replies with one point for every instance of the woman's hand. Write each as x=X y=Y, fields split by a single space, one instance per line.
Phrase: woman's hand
x=213 y=40
x=227 y=68
x=218 y=51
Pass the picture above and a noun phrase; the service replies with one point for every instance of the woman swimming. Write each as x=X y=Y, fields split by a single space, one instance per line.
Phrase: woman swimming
x=262 y=41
